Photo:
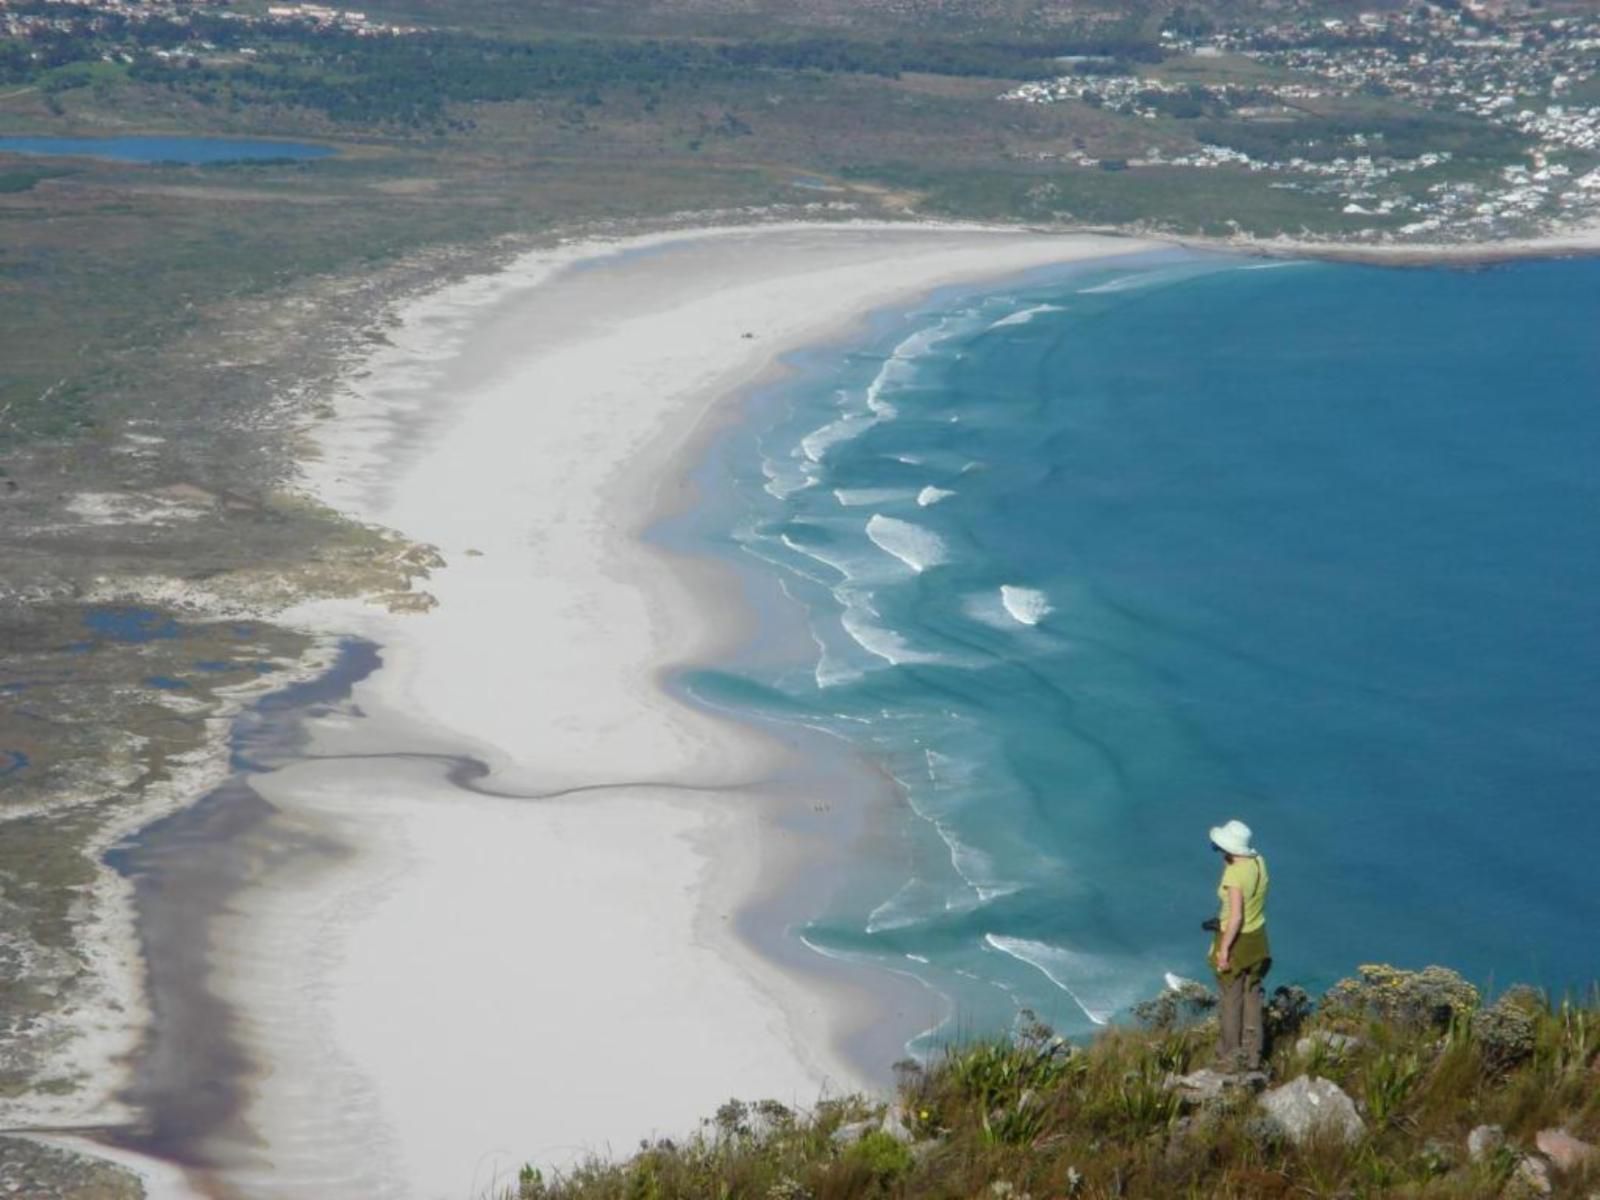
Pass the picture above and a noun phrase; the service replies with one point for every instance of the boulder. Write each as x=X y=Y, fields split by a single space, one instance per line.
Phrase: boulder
x=1207 y=1085
x=1336 y=1044
x=1199 y=1087
x=1484 y=1141
x=1563 y=1150
x=894 y=1125
x=851 y=1133
x=1309 y=1105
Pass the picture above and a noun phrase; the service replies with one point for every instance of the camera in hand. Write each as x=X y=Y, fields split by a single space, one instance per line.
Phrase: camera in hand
x=1211 y=925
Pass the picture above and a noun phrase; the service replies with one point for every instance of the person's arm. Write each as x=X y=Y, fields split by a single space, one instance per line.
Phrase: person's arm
x=1230 y=930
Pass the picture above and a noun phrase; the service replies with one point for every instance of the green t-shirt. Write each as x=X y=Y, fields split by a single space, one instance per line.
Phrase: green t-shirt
x=1250 y=876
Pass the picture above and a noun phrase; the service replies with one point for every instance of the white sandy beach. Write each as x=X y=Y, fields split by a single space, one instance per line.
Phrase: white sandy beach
x=474 y=982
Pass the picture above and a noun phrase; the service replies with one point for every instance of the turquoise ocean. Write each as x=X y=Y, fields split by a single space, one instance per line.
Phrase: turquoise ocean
x=1095 y=560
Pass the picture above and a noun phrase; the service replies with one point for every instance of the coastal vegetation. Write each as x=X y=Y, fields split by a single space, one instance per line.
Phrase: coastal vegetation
x=1430 y=1091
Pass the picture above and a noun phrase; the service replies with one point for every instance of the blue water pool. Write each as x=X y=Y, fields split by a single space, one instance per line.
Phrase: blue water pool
x=154 y=149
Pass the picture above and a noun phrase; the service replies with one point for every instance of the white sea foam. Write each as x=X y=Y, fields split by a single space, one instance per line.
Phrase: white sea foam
x=1028 y=606
x=1145 y=279
x=1123 y=283
x=816 y=554
x=947 y=772
x=1026 y=315
x=798 y=560
x=1176 y=983
x=830 y=673
x=1008 y=607
x=837 y=955
x=1089 y=981
x=897 y=370
x=1138 y=280
x=852 y=558
x=913 y=545
x=860 y=497
x=993 y=891
x=975 y=867
x=816 y=444
x=784 y=479
x=900 y=367
x=915 y=901
x=884 y=378
x=932 y=495
x=951 y=780
x=831 y=670
x=954 y=780
x=880 y=642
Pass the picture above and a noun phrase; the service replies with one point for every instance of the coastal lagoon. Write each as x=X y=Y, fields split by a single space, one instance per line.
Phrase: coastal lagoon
x=1101 y=559
x=157 y=149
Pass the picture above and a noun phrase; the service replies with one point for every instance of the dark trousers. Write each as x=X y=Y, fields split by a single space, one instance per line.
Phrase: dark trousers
x=1243 y=1033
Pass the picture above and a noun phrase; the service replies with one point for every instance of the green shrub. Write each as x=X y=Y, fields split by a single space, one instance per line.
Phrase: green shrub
x=1508 y=1030
x=1287 y=1012
x=1177 y=1006
x=881 y=1156
x=1429 y=998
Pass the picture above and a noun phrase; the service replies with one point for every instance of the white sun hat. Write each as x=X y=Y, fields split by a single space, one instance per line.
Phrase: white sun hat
x=1233 y=838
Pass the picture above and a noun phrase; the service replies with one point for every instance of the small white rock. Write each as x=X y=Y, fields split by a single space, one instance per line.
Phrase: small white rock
x=1484 y=1141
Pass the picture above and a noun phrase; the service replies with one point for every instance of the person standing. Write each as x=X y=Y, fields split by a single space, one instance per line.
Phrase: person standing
x=1240 y=953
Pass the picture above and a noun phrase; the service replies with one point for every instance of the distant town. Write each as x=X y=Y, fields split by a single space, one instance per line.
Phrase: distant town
x=39 y=19
x=1514 y=71
x=1449 y=120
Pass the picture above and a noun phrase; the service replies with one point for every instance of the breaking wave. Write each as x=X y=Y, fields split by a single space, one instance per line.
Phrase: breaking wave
x=1026 y=315
x=880 y=642
x=1027 y=606
x=913 y=545
x=899 y=368
x=816 y=444
x=862 y=497
x=1091 y=982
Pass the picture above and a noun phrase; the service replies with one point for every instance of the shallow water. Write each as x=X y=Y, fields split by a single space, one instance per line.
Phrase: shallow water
x=1097 y=561
x=190 y=1075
